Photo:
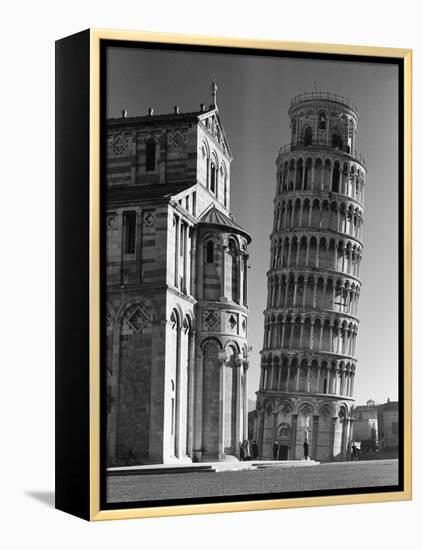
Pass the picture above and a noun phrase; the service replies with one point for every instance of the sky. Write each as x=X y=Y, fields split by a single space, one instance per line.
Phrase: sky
x=253 y=97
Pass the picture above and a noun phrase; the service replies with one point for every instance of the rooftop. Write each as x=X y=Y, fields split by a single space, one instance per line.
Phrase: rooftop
x=155 y=191
x=324 y=96
x=213 y=216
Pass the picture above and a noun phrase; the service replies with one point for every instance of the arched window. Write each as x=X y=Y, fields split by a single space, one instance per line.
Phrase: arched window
x=210 y=252
x=213 y=177
x=150 y=155
x=336 y=141
x=307 y=140
x=233 y=270
x=336 y=177
x=322 y=121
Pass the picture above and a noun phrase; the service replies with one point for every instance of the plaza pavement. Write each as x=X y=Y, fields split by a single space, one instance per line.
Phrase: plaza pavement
x=328 y=476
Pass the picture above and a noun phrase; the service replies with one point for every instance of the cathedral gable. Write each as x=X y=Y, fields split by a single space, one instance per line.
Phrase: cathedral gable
x=213 y=126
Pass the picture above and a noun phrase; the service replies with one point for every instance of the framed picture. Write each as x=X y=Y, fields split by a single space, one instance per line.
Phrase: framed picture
x=233 y=274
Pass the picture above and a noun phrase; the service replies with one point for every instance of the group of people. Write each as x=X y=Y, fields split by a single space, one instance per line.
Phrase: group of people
x=248 y=450
x=277 y=451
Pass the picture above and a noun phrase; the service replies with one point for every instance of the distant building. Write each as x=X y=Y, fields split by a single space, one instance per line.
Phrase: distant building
x=365 y=426
x=388 y=426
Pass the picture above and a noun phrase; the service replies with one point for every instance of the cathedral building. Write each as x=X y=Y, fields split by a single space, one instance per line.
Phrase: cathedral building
x=308 y=361
x=176 y=291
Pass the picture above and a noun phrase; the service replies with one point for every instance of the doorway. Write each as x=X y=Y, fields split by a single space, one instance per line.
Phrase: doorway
x=283 y=452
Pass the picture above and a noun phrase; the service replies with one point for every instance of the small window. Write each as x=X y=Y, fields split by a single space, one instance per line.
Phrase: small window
x=129 y=229
x=150 y=155
x=307 y=140
x=322 y=121
x=182 y=239
x=210 y=252
x=194 y=203
x=336 y=141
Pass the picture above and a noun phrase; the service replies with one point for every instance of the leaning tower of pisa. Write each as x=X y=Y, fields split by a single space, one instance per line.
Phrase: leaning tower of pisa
x=308 y=360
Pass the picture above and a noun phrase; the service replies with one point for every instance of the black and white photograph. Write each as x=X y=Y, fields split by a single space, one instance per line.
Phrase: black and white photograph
x=251 y=260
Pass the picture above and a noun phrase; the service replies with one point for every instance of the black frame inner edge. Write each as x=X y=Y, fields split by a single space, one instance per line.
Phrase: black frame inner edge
x=104 y=44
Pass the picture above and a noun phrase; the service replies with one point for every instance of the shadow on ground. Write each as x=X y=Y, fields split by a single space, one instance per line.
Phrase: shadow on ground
x=45 y=497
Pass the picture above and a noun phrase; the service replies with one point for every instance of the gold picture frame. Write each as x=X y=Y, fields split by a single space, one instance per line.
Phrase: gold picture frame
x=91 y=508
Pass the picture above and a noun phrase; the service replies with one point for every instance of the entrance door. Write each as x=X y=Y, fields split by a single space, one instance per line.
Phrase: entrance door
x=283 y=452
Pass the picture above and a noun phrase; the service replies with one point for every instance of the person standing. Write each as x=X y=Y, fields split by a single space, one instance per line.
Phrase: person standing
x=306 y=449
x=241 y=452
x=254 y=450
x=275 y=450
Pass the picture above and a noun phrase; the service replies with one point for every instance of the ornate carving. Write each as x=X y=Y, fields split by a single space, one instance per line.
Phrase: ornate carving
x=286 y=409
x=177 y=138
x=119 y=144
x=233 y=322
x=138 y=319
x=112 y=222
x=325 y=412
x=149 y=218
x=211 y=320
x=306 y=410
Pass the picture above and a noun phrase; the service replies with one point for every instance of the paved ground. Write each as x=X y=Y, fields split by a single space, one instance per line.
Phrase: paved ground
x=339 y=475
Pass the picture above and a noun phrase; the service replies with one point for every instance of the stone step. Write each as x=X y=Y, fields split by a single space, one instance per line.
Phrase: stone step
x=151 y=470
x=284 y=464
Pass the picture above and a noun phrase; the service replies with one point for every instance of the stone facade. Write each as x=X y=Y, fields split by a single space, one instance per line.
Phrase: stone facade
x=176 y=291
x=308 y=359
x=365 y=425
x=388 y=427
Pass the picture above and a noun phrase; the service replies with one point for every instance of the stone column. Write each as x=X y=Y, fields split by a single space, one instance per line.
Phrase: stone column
x=198 y=401
x=261 y=379
x=318 y=378
x=200 y=279
x=302 y=323
x=321 y=334
x=261 y=416
x=239 y=282
x=193 y=263
x=223 y=274
x=283 y=326
x=288 y=378
x=177 y=253
x=239 y=399
x=289 y=253
x=294 y=435
x=245 y=280
x=221 y=363
x=329 y=390
x=275 y=418
x=314 y=436
x=272 y=375
x=344 y=438
x=335 y=376
x=332 y=435
x=191 y=382
x=245 y=400
x=311 y=343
